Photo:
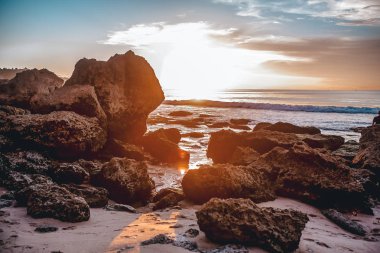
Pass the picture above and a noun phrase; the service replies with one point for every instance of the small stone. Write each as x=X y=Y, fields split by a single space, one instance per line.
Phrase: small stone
x=121 y=208
x=45 y=229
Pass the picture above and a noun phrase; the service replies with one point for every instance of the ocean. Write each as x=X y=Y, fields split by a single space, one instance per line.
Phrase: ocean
x=334 y=112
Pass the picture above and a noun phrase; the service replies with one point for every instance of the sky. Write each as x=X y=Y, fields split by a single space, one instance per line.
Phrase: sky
x=204 y=44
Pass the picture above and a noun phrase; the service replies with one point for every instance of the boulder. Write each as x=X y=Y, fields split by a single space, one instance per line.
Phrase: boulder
x=318 y=178
x=61 y=133
x=127 y=90
x=69 y=173
x=226 y=181
x=167 y=197
x=223 y=144
x=81 y=99
x=244 y=156
x=53 y=201
x=94 y=196
x=241 y=221
x=19 y=90
x=368 y=156
x=285 y=127
x=162 y=145
x=126 y=180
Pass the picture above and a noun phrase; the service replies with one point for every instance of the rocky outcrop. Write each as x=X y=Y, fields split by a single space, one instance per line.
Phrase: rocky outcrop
x=163 y=145
x=226 y=181
x=167 y=197
x=60 y=133
x=241 y=221
x=19 y=90
x=317 y=178
x=285 y=127
x=81 y=99
x=94 y=196
x=223 y=144
x=368 y=156
x=53 y=201
x=126 y=180
x=347 y=152
x=127 y=89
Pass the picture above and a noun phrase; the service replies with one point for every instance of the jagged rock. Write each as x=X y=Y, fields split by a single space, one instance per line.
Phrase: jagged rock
x=121 y=208
x=167 y=197
x=53 y=201
x=344 y=222
x=285 y=127
x=162 y=145
x=244 y=156
x=94 y=196
x=240 y=121
x=29 y=162
x=226 y=181
x=180 y=113
x=317 y=178
x=347 y=151
x=126 y=180
x=127 y=90
x=69 y=173
x=45 y=229
x=61 y=133
x=368 y=156
x=19 y=90
x=117 y=148
x=81 y=99
x=223 y=143
x=241 y=221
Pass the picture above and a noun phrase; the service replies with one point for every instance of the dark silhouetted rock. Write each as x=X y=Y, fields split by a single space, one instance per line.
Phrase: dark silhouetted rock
x=45 y=229
x=180 y=113
x=69 y=173
x=61 y=133
x=368 y=156
x=127 y=181
x=226 y=181
x=344 y=222
x=127 y=90
x=53 y=201
x=121 y=208
x=94 y=196
x=240 y=121
x=162 y=145
x=81 y=99
x=241 y=221
x=19 y=90
x=167 y=197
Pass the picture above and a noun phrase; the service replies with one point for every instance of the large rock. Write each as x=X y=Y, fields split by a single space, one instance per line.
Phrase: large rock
x=126 y=180
x=241 y=221
x=223 y=144
x=127 y=89
x=61 y=133
x=94 y=196
x=226 y=181
x=368 y=156
x=53 y=201
x=167 y=197
x=285 y=127
x=162 y=145
x=81 y=99
x=30 y=162
x=317 y=178
x=69 y=173
x=19 y=90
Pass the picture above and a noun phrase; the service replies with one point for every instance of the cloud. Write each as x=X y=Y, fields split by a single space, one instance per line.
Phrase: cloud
x=344 y=12
x=341 y=63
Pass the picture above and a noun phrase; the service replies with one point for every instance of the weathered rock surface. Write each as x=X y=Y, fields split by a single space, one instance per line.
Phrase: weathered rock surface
x=368 y=156
x=61 y=133
x=19 y=90
x=167 y=197
x=94 y=196
x=317 y=178
x=344 y=222
x=127 y=89
x=81 y=99
x=16 y=181
x=241 y=221
x=223 y=143
x=244 y=156
x=347 y=152
x=6 y=110
x=117 y=148
x=162 y=145
x=29 y=162
x=226 y=181
x=53 y=201
x=126 y=180
x=69 y=173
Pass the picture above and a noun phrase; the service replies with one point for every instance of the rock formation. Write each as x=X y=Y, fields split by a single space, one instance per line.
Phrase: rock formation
x=241 y=221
